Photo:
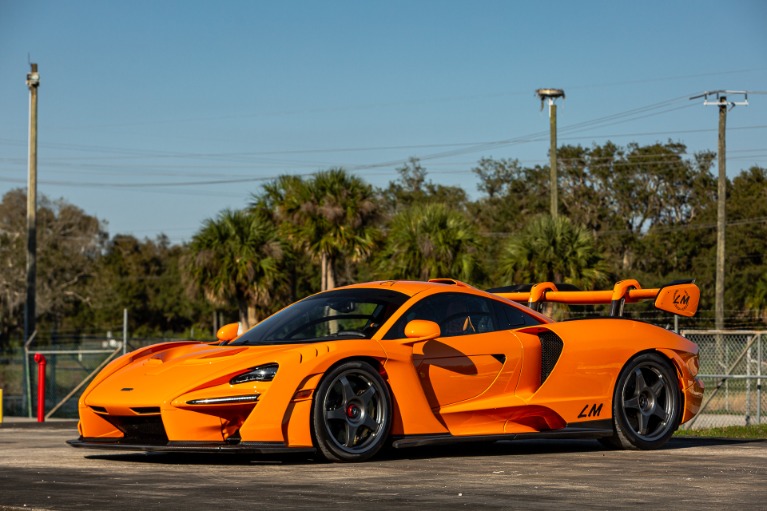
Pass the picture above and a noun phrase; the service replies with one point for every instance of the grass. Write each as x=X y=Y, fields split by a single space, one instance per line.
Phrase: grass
x=753 y=432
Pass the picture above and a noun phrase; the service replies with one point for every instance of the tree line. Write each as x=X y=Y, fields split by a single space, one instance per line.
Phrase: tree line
x=643 y=212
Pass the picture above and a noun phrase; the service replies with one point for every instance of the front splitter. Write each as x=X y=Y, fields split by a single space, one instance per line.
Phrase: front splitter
x=192 y=447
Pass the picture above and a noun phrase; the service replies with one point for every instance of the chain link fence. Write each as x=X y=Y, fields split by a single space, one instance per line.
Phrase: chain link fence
x=71 y=364
x=733 y=367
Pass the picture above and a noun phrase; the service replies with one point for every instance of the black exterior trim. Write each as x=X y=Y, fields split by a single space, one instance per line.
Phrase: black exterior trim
x=192 y=447
x=588 y=429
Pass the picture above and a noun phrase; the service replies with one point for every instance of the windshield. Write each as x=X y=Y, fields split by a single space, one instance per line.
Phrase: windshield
x=343 y=314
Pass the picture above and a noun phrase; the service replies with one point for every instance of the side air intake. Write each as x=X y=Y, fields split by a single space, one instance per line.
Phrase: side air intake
x=551 y=349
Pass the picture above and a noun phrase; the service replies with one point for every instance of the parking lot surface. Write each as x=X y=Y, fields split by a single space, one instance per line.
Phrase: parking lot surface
x=38 y=470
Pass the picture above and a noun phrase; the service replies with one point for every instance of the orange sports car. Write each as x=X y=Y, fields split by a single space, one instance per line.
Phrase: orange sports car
x=348 y=371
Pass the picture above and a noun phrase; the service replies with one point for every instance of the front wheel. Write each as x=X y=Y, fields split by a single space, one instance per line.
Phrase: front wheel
x=352 y=412
x=647 y=403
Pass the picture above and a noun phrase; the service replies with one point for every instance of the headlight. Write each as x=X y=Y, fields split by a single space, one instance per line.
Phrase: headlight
x=260 y=373
x=229 y=400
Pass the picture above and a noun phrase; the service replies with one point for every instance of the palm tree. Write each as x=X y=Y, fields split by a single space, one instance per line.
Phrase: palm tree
x=328 y=217
x=553 y=250
x=758 y=299
x=274 y=195
x=428 y=241
x=236 y=258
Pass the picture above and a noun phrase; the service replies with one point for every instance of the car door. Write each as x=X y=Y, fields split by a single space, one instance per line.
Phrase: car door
x=472 y=353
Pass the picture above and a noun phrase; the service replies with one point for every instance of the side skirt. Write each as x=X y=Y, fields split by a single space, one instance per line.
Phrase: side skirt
x=589 y=429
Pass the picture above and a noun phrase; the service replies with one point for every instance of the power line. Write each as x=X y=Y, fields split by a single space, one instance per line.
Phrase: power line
x=458 y=149
x=654 y=229
x=578 y=126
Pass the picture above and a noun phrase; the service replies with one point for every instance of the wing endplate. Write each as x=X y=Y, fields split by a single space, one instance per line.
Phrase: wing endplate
x=679 y=298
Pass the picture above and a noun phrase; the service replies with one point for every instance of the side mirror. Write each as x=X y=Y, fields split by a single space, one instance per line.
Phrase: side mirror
x=678 y=298
x=228 y=332
x=422 y=330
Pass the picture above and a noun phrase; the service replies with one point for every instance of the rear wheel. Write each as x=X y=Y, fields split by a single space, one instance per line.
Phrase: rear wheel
x=352 y=413
x=647 y=404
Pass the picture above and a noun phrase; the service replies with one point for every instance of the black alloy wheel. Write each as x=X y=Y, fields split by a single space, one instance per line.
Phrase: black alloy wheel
x=352 y=411
x=647 y=403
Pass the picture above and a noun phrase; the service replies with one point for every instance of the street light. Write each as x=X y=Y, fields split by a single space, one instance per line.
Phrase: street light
x=552 y=95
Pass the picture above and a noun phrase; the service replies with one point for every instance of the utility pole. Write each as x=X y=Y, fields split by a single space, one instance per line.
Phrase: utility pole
x=33 y=82
x=552 y=95
x=721 y=213
x=721 y=220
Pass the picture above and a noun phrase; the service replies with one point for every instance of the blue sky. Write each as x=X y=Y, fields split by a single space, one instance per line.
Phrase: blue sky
x=155 y=115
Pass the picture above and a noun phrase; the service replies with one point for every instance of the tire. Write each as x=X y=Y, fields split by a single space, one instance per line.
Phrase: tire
x=351 y=415
x=647 y=404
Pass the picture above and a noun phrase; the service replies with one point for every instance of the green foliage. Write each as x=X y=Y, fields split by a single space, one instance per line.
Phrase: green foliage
x=746 y=240
x=13 y=261
x=235 y=258
x=143 y=277
x=644 y=212
x=757 y=300
x=430 y=241
x=753 y=432
x=621 y=194
x=69 y=244
x=412 y=188
x=512 y=194
x=328 y=217
x=553 y=250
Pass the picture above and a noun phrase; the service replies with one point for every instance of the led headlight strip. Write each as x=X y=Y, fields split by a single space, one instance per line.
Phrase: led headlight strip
x=252 y=398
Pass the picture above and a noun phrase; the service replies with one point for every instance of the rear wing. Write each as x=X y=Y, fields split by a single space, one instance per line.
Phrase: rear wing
x=680 y=297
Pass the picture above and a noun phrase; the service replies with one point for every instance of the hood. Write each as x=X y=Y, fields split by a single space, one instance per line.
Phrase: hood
x=157 y=378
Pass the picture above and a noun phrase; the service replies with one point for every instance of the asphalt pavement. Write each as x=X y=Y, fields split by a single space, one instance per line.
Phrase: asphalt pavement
x=38 y=470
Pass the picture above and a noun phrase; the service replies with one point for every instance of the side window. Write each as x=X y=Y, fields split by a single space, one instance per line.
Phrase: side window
x=511 y=317
x=425 y=309
x=455 y=313
x=467 y=315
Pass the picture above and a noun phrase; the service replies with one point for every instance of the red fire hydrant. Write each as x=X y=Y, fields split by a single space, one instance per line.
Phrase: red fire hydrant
x=40 y=359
